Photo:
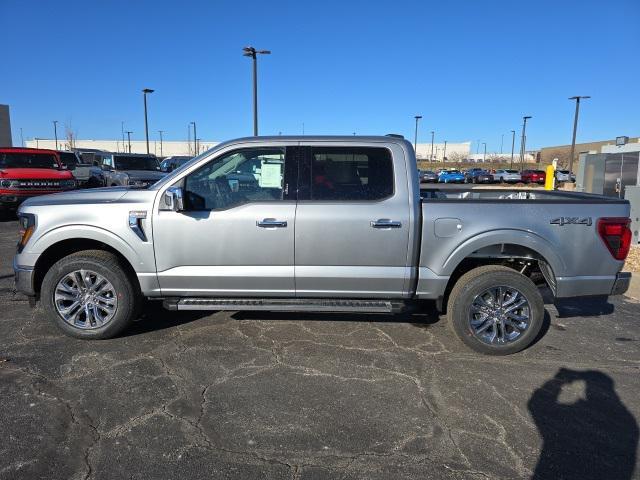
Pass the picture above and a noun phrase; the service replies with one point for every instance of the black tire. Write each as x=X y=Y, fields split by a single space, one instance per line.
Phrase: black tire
x=110 y=267
x=474 y=283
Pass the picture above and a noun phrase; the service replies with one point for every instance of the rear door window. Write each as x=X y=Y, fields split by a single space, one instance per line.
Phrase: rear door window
x=351 y=173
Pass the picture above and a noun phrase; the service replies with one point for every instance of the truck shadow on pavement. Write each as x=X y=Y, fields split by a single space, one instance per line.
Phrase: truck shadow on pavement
x=587 y=431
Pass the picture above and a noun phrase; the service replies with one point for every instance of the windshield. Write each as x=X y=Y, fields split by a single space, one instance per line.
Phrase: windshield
x=511 y=171
x=69 y=159
x=452 y=172
x=28 y=160
x=136 y=163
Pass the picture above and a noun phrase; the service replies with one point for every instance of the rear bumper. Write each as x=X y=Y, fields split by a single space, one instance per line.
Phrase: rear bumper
x=24 y=279
x=567 y=287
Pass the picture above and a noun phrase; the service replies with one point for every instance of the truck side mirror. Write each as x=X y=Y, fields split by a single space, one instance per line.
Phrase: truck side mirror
x=173 y=200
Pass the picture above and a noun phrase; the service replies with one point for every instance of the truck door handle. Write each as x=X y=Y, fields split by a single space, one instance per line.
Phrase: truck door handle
x=271 y=223
x=385 y=223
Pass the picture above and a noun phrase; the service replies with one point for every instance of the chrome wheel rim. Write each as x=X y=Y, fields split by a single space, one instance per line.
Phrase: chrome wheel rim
x=85 y=299
x=499 y=315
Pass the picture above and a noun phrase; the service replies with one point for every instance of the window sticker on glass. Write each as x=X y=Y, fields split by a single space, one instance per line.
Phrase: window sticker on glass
x=271 y=175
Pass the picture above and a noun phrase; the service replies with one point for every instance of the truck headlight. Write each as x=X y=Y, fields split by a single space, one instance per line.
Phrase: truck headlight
x=27 y=222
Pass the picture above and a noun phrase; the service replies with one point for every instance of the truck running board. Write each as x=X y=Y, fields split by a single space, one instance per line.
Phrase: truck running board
x=285 y=305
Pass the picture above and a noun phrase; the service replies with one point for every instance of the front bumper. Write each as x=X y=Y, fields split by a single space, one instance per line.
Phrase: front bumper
x=24 y=279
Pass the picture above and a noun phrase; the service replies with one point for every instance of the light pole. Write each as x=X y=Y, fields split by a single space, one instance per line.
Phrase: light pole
x=444 y=154
x=432 y=137
x=513 y=144
x=253 y=53
x=195 y=142
x=128 y=132
x=37 y=142
x=21 y=138
x=575 y=129
x=146 y=125
x=55 y=132
x=415 y=138
x=161 y=132
x=523 y=141
x=501 y=143
x=484 y=156
x=122 y=130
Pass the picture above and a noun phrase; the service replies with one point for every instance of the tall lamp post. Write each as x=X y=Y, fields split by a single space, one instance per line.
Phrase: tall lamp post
x=146 y=125
x=575 y=128
x=195 y=142
x=129 y=132
x=55 y=132
x=253 y=53
x=484 y=156
x=415 y=137
x=513 y=145
x=523 y=141
x=161 y=132
x=444 y=154
x=432 y=137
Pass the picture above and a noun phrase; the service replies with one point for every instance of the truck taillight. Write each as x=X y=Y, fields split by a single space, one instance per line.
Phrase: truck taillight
x=616 y=235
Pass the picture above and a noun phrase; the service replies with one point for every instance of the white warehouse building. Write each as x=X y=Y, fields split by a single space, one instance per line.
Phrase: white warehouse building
x=167 y=148
x=454 y=152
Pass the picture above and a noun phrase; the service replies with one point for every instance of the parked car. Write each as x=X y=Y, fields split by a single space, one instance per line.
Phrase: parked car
x=451 y=176
x=533 y=176
x=354 y=234
x=133 y=169
x=81 y=171
x=507 y=176
x=427 y=176
x=565 y=176
x=27 y=172
x=478 y=175
x=169 y=164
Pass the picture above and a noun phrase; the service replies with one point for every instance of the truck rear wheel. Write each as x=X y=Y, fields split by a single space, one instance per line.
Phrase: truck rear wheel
x=89 y=295
x=496 y=310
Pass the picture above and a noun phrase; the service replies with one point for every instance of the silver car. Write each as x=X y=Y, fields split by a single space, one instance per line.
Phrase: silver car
x=507 y=176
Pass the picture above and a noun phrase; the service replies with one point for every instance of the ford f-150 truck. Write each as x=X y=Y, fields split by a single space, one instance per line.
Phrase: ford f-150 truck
x=26 y=172
x=329 y=224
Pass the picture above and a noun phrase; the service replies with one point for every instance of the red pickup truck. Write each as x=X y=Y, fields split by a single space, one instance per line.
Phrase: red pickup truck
x=27 y=172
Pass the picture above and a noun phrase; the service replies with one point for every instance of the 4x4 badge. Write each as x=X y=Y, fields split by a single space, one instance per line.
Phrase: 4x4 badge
x=571 y=221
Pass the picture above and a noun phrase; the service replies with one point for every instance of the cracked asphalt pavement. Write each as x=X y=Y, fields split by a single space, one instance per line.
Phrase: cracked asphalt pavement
x=310 y=396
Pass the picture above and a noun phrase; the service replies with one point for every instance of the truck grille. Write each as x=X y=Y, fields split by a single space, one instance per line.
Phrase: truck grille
x=37 y=184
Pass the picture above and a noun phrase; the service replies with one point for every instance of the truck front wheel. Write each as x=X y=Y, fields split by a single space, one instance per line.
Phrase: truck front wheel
x=90 y=295
x=496 y=310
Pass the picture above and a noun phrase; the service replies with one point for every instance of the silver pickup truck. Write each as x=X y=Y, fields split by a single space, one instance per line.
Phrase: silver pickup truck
x=329 y=224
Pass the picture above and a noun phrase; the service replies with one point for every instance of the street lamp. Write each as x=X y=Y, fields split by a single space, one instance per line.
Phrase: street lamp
x=513 y=144
x=415 y=138
x=575 y=128
x=161 y=132
x=444 y=154
x=501 y=143
x=523 y=141
x=432 y=137
x=146 y=126
x=253 y=53
x=55 y=132
x=484 y=156
x=37 y=142
x=128 y=132
x=195 y=141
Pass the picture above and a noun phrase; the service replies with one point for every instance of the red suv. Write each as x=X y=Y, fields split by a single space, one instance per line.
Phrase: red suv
x=535 y=176
x=27 y=172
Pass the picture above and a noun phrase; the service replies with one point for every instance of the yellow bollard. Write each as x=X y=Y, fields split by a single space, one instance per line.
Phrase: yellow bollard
x=550 y=178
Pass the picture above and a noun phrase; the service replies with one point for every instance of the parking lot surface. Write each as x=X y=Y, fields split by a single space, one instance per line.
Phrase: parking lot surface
x=302 y=396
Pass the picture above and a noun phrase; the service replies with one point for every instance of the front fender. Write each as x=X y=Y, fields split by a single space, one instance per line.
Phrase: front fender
x=505 y=236
x=89 y=232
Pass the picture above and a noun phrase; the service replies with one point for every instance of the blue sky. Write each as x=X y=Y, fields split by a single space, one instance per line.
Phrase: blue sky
x=471 y=68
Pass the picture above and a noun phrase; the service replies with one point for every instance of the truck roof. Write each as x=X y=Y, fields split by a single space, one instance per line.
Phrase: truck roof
x=36 y=151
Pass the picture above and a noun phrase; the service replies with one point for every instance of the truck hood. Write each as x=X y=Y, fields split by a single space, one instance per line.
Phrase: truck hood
x=145 y=174
x=79 y=197
x=38 y=173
